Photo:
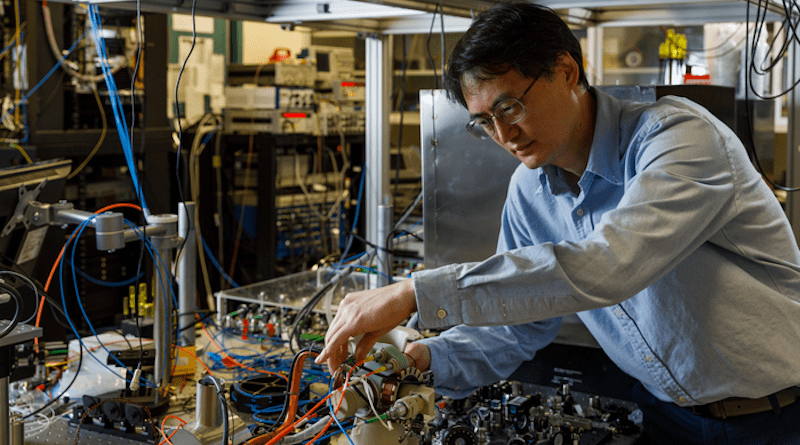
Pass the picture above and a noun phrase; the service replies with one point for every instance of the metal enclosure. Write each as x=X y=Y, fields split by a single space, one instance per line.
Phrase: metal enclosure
x=464 y=181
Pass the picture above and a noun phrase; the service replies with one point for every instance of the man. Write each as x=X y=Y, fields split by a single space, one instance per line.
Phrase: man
x=648 y=220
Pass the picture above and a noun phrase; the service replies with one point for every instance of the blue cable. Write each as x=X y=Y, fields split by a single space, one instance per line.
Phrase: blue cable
x=76 y=235
x=370 y=269
x=216 y=264
x=82 y=227
x=355 y=217
x=47 y=76
x=328 y=436
x=208 y=137
x=116 y=106
x=11 y=45
x=157 y=256
x=330 y=406
x=163 y=280
x=94 y=280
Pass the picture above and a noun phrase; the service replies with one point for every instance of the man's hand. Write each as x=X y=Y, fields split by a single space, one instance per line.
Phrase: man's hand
x=372 y=313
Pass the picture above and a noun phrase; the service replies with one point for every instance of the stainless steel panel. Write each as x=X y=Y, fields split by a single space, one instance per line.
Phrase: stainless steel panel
x=464 y=183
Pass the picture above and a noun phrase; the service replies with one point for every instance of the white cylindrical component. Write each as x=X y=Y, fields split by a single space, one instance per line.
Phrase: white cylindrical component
x=187 y=266
x=376 y=434
x=352 y=402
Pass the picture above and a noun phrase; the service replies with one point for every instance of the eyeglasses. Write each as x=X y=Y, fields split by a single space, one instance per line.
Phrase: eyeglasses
x=509 y=111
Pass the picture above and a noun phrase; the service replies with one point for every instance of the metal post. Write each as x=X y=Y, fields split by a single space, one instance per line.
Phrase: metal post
x=18 y=430
x=208 y=413
x=594 y=54
x=187 y=267
x=5 y=420
x=163 y=307
x=377 y=135
x=793 y=139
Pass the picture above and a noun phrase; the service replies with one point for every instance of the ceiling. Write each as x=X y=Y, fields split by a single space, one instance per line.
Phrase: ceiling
x=419 y=16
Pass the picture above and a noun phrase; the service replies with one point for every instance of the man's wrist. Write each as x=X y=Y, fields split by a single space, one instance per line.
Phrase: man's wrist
x=419 y=355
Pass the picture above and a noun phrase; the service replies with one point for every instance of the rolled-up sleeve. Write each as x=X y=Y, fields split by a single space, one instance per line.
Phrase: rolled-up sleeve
x=465 y=358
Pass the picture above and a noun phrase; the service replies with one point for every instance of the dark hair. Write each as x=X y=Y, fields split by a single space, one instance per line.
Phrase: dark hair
x=522 y=36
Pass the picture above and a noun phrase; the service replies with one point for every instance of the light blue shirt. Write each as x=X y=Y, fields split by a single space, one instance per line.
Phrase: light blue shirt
x=675 y=255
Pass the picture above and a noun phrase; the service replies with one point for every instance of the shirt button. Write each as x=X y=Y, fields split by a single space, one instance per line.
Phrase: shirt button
x=649 y=358
x=682 y=399
x=441 y=313
x=619 y=312
x=579 y=212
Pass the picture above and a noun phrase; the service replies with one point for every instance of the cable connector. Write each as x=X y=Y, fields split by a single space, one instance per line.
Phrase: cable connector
x=407 y=408
x=392 y=358
x=135 y=380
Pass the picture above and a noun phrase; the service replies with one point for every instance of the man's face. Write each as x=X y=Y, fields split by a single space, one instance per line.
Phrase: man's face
x=546 y=133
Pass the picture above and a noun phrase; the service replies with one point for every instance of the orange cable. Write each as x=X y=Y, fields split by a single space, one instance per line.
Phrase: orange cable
x=335 y=411
x=287 y=426
x=236 y=362
x=284 y=431
x=196 y=358
x=58 y=260
x=163 y=422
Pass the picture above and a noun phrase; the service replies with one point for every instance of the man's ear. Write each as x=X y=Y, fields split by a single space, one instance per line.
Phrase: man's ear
x=569 y=67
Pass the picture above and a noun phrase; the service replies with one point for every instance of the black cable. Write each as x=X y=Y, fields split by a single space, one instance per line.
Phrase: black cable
x=303 y=313
x=75 y=377
x=31 y=282
x=136 y=66
x=14 y=293
x=226 y=433
x=178 y=181
x=119 y=331
x=401 y=232
x=287 y=399
x=199 y=320
x=749 y=65
x=428 y=47
x=367 y=243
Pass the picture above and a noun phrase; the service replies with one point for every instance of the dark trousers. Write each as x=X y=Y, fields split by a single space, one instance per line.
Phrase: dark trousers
x=668 y=424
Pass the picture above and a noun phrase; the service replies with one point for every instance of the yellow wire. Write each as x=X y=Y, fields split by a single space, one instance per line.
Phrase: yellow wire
x=13 y=39
x=24 y=153
x=99 y=143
